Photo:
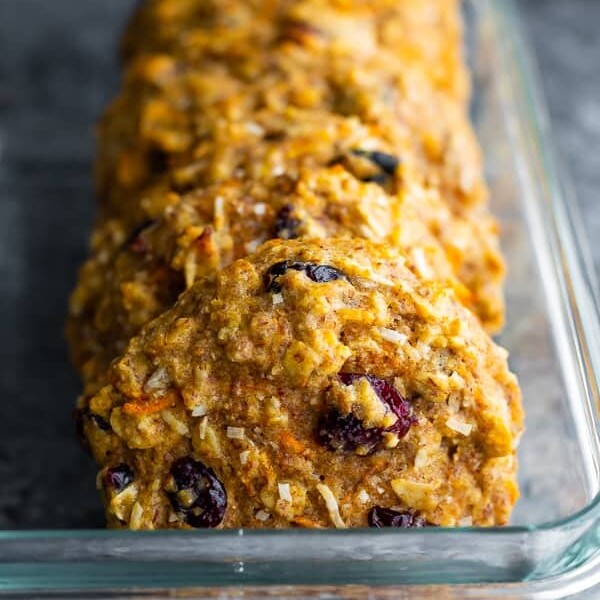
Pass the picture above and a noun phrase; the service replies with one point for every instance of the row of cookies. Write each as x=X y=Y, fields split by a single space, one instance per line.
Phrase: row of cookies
x=236 y=377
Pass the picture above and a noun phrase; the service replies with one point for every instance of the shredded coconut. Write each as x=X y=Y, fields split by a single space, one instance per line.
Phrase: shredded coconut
x=189 y=269
x=252 y=245
x=368 y=273
x=382 y=280
x=219 y=212
x=254 y=128
x=244 y=456
x=202 y=428
x=262 y=515
x=454 y=403
x=378 y=227
x=235 y=433
x=459 y=425
x=456 y=379
x=174 y=423
x=395 y=337
x=332 y=506
x=277 y=299
x=285 y=493
x=259 y=209
x=363 y=496
x=421 y=458
x=421 y=263
x=199 y=411
x=135 y=519
x=159 y=380
x=418 y=494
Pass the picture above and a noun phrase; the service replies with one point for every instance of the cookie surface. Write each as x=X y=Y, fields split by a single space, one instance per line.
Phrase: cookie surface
x=134 y=275
x=428 y=33
x=278 y=95
x=268 y=113
x=313 y=384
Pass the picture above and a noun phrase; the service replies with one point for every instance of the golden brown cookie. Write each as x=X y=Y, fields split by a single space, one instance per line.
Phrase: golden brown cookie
x=135 y=275
x=412 y=31
x=312 y=384
x=268 y=114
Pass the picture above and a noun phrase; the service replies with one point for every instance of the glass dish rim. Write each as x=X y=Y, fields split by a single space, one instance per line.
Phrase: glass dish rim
x=513 y=49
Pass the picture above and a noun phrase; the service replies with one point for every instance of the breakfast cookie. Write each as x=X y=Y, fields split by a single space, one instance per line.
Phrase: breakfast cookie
x=411 y=31
x=134 y=275
x=267 y=114
x=388 y=134
x=311 y=384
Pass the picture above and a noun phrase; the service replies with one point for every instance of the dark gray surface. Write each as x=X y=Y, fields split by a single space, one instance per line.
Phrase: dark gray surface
x=565 y=35
x=57 y=70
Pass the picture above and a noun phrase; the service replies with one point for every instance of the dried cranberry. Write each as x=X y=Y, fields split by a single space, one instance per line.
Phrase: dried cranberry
x=386 y=162
x=135 y=241
x=380 y=517
x=347 y=433
x=119 y=477
x=286 y=225
x=317 y=273
x=388 y=394
x=196 y=493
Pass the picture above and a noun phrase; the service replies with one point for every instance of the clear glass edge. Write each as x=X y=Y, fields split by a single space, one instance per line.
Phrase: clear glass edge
x=571 y=256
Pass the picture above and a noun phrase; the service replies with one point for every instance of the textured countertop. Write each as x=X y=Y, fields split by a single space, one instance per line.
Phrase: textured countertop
x=565 y=35
x=58 y=69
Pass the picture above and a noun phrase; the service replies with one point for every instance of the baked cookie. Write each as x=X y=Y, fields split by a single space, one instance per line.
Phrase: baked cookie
x=134 y=275
x=267 y=114
x=312 y=384
x=412 y=31
x=382 y=128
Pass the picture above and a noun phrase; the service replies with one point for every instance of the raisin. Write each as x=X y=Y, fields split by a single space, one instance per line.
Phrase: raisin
x=158 y=161
x=274 y=136
x=386 y=162
x=135 y=241
x=368 y=166
x=379 y=179
x=119 y=477
x=380 y=517
x=196 y=493
x=298 y=31
x=100 y=422
x=81 y=414
x=286 y=225
x=347 y=433
x=315 y=272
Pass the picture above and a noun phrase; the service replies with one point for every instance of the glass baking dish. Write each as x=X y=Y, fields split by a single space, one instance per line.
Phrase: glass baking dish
x=552 y=549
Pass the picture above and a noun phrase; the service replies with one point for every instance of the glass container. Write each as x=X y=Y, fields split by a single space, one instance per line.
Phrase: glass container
x=552 y=547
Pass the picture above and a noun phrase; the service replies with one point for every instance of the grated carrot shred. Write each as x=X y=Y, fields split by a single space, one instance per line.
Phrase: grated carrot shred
x=147 y=406
x=291 y=443
x=307 y=523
